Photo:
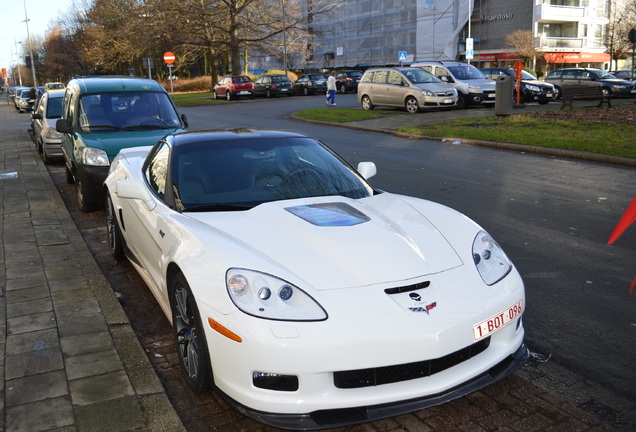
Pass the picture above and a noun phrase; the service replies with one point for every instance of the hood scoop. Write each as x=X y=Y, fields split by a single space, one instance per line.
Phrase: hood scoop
x=329 y=214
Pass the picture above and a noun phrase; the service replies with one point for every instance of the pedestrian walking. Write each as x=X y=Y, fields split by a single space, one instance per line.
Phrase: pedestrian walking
x=331 y=89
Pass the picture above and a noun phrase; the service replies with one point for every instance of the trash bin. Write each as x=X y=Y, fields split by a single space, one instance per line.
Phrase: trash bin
x=503 y=95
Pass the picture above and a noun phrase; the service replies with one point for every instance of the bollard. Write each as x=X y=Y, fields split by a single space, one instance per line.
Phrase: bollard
x=503 y=95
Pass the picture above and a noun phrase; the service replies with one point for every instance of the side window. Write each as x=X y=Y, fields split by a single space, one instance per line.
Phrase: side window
x=368 y=77
x=69 y=111
x=157 y=170
x=380 y=77
x=395 y=78
x=569 y=74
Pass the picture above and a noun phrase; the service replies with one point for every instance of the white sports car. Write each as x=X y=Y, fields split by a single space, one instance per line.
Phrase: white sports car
x=307 y=298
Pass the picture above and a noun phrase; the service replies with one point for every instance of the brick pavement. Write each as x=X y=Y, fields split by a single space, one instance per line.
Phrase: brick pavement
x=70 y=360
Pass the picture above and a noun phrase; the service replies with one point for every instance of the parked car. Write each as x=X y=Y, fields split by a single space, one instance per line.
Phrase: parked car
x=413 y=89
x=347 y=80
x=532 y=90
x=101 y=116
x=309 y=84
x=233 y=87
x=611 y=85
x=472 y=85
x=54 y=86
x=625 y=75
x=302 y=293
x=273 y=85
x=47 y=140
x=25 y=99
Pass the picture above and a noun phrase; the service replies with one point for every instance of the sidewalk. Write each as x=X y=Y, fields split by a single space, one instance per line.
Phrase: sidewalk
x=70 y=360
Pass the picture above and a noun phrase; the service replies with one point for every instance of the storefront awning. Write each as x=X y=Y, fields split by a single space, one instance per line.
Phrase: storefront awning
x=576 y=57
x=498 y=56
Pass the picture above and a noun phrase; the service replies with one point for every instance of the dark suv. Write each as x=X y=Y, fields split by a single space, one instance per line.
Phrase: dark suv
x=347 y=80
x=611 y=85
x=532 y=90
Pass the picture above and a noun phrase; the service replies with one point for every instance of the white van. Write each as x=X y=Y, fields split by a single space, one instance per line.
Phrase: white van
x=472 y=85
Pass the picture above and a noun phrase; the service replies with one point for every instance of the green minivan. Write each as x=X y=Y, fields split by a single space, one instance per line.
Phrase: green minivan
x=103 y=114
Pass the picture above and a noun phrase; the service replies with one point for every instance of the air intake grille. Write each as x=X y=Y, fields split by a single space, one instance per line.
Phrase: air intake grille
x=404 y=372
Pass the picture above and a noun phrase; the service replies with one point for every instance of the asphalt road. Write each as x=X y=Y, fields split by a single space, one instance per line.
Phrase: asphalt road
x=552 y=216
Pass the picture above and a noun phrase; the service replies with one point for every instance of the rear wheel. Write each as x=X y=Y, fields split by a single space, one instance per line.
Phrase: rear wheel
x=268 y=93
x=367 y=105
x=115 y=238
x=189 y=337
x=343 y=89
x=411 y=105
x=306 y=91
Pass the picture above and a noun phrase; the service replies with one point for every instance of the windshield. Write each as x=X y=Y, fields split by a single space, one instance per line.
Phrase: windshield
x=241 y=174
x=420 y=76
x=54 y=108
x=467 y=72
x=602 y=75
x=528 y=76
x=133 y=110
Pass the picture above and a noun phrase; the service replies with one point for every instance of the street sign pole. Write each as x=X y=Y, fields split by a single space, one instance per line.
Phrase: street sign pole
x=169 y=59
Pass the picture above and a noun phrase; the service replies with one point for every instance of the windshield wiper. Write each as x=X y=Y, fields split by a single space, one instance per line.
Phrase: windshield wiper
x=217 y=207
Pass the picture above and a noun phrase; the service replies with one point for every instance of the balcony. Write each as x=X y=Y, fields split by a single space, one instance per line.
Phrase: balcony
x=566 y=44
x=552 y=13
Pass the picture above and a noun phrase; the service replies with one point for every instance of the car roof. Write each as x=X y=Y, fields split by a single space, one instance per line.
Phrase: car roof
x=56 y=94
x=193 y=137
x=95 y=84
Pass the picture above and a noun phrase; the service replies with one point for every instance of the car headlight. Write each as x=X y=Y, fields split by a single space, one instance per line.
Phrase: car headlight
x=491 y=261
x=619 y=86
x=93 y=156
x=427 y=93
x=52 y=134
x=266 y=296
x=474 y=88
x=533 y=88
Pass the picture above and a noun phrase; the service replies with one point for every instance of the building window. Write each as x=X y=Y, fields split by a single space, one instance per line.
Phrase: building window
x=430 y=4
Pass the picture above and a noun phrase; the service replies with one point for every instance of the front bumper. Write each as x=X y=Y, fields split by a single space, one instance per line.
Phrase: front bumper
x=350 y=416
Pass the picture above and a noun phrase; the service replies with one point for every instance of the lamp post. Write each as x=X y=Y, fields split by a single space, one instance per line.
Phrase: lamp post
x=17 y=56
x=26 y=20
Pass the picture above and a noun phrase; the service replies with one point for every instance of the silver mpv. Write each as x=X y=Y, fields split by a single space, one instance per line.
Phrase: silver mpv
x=411 y=88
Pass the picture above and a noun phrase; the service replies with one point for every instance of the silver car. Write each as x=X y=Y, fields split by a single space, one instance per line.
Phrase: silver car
x=411 y=88
x=47 y=112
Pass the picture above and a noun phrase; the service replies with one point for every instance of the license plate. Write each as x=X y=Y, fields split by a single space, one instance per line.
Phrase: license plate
x=448 y=101
x=496 y=322
x=244 y=92
x=283 y=90
x=548 y=95
x=633 y=91
x=492 y=95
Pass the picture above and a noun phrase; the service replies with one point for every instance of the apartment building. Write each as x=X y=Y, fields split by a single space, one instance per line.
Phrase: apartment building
x=364 y=33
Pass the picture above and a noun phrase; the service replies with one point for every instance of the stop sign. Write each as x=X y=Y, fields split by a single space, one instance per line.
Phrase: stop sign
x=168 y=57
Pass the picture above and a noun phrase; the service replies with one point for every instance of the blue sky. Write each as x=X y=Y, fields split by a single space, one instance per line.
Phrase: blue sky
x=41 y=14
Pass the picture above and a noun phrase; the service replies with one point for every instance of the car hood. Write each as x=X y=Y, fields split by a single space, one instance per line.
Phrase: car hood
x=435 y=87
x=483 y=83
x=113 y=141
x=337 y=242
x=537 y=83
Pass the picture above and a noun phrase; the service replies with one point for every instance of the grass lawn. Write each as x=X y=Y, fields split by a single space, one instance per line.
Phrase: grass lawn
x=195 y=99
x=342 y=115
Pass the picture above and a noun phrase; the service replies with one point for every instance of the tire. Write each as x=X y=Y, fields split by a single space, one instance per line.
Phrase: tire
x=268 y=93
x=69 y=176
x=228 y=96
x=461 y=102
x=115 y=238
x=214 y=95
x=607 y=91
x=306 y=91
x=411 y=105
x=367 y=105
x=343 y=89
x=84 y=205
x=189 y=337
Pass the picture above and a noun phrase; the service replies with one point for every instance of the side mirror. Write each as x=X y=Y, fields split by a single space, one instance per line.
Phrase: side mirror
x=367 y=169
x=62 y=126
x=36 y=116
x=184 y=120
x=132 y=189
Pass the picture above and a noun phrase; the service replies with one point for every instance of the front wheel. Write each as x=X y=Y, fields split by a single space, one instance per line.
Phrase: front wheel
x=268 y=93
x=343 y=89
x=607 y=91
x=228 y=96
x=214 y=95
x=306 y=91
x=84 y=205
x=411 y=105
x=189 y=337
x=461 y=102
x=367 y=105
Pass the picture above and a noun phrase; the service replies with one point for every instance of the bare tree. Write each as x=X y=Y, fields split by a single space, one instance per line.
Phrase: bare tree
x=523 y=43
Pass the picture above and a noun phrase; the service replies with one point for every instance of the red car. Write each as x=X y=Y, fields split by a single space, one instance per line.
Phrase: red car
x=233 y=87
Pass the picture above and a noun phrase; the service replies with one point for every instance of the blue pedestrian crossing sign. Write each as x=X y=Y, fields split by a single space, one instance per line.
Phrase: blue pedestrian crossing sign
x=402 y=56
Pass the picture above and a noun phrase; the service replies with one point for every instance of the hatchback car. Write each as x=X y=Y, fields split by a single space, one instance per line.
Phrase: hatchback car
x=47 y=140
x=347 y=80
x=102 y=115
x=472 y=86
x=233 y=87
x=310 y=84
x=532 y=90
x=273 y=85
x=411 y=88
x=611 y=85
x=54 y=86
x=302 y=294
x=25 y=99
